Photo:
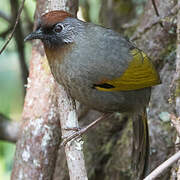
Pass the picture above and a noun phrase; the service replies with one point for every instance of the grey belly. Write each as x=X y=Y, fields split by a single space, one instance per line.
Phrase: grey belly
x=80 y=88
x=118 y=101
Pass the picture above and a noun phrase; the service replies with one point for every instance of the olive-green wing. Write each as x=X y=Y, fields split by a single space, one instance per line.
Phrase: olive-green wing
x=140 y=73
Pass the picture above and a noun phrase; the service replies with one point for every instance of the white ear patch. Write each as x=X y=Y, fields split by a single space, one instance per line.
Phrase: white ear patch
x=68 y=34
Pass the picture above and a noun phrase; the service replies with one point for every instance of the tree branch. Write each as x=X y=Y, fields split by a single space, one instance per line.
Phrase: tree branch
x=37 y=147
x=68 y=114
x=160 y=169
x=157 y=12
x=38 y=143
x=73 y=149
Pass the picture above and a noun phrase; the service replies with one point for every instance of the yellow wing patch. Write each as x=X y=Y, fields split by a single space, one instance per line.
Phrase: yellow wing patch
x=139 y=74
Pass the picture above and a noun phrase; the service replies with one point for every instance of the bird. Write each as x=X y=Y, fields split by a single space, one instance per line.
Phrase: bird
x=101 y=69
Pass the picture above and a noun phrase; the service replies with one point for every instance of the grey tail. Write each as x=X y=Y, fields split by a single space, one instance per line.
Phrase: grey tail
x=140 y=152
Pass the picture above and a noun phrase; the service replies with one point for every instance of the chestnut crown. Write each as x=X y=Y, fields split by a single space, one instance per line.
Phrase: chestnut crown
x=56 y=28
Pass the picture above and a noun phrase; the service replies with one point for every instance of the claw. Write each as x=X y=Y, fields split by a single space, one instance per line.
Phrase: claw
x=72 y=129
x=80 y=131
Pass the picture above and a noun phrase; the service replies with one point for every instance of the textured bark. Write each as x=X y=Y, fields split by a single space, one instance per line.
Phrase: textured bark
x=178 y=67
x=73 y=149
x=176 y=118
x=68 y=115
x=37 y=147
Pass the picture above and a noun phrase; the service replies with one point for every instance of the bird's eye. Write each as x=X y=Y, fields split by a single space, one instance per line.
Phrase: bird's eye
x=58 y=28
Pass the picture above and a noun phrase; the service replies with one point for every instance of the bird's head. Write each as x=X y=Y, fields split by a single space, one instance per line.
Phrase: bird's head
x=55 y=28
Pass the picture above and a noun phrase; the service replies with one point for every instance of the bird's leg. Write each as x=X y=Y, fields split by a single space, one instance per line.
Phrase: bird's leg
x=81 y=131
x=73 y=129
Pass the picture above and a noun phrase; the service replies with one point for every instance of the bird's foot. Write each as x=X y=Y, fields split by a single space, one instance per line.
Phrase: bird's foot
x=80 y=131
x=73 y=129
x=77 y=133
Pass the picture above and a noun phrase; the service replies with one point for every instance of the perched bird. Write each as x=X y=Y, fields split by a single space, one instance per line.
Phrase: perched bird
x=102 y=70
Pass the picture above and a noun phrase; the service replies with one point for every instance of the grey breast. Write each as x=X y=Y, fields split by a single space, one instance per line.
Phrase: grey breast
x=104 y=54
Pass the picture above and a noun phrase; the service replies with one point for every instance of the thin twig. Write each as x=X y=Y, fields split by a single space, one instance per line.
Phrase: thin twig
x=157 y=12
x=160 y=169
x=14 y=28
x=155 y=7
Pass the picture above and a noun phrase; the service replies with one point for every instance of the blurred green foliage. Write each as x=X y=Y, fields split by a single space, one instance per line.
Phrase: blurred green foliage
x=6 y=157
x=91 y=10
x=94 y=10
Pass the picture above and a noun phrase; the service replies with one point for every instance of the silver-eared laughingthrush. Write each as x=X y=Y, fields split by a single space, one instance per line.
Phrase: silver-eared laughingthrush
x=102 y=70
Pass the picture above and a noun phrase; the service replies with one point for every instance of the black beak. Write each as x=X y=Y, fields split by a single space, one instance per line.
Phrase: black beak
x=38 y=34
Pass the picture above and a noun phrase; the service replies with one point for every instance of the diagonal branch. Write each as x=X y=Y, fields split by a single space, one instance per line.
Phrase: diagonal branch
x=157 y=12
x=161 y=168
